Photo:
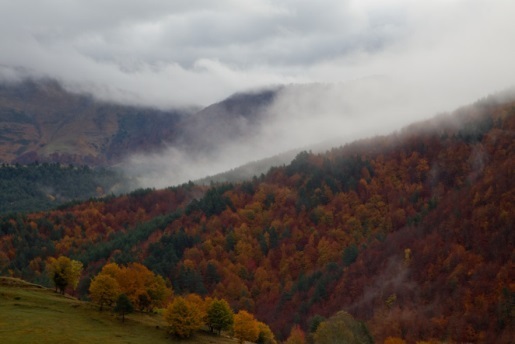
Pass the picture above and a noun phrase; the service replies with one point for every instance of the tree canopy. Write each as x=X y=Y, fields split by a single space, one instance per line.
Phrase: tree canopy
x=219 y=315
x=64 y=272
x=144 y=289
x=183 y=317
x=245 y=327
x=104 y=290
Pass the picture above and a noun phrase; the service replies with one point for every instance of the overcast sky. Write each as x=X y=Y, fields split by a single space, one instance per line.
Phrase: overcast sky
x=182 y=52
x=384 y=63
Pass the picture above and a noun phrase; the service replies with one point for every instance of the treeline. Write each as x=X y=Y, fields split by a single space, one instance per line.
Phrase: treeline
x=37 y=187
x=134 y=286
x=410 y=234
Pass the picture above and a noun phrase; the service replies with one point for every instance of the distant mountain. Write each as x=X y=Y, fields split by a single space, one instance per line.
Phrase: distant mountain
x=41 y=121
x=236 y=117
x=410 y=233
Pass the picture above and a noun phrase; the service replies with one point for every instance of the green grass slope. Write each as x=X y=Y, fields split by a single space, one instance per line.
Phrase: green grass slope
x=32 y=314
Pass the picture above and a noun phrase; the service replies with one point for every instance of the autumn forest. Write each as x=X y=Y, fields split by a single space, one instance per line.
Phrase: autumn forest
x=407 y=236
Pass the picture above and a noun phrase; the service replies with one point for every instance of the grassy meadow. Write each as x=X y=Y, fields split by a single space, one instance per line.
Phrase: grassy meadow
x=32 y=314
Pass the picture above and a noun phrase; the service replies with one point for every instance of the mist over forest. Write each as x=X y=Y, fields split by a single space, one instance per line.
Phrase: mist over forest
x=314 y=171
x=358 y=70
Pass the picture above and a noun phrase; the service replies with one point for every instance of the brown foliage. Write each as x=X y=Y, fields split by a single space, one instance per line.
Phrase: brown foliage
x=331 y=231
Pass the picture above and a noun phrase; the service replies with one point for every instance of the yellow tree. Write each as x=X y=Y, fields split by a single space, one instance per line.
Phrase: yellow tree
x=158 y=291
x=75 y=273
x=133 y=279
x=104 y=290
x=145 y=289
x=245 y=327
x=111 y=269
x=64 y=272
x=183 y=317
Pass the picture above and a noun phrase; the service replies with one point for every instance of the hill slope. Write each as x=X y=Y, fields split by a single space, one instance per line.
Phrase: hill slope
x=411 y=233
x=32 y=314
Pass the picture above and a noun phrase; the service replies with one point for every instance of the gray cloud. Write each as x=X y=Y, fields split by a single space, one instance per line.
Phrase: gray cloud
x=311 y=116
x=183 y=52
x=436 y=55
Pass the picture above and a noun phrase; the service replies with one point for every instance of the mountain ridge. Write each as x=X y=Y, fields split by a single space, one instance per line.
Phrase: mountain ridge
x=411 y=233
x=40 y=121
x=59 y=126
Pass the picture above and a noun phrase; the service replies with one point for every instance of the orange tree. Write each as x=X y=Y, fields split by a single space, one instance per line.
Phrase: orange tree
x=245 y=327
x=183 y=317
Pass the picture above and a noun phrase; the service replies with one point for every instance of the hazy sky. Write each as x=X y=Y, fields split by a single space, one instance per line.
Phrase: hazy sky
x=404 y=59
x=182 y=52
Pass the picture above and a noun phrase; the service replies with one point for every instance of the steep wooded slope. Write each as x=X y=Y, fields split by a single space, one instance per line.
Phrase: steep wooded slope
x=411 y=233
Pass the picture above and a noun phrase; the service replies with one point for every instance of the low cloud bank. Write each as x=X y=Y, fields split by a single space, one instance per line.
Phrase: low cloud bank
x=434 y=56
x=300 y=117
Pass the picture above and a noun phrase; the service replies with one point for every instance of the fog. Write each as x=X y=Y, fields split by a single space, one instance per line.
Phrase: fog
x=311 y=117
x=355 y=67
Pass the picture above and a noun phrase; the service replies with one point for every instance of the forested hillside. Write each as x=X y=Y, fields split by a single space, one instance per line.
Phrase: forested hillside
x=44 y=186
x=411 y=233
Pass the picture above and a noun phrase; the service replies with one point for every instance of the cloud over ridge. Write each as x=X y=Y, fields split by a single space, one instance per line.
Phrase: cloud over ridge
x=170 y=53
x=405 y=60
